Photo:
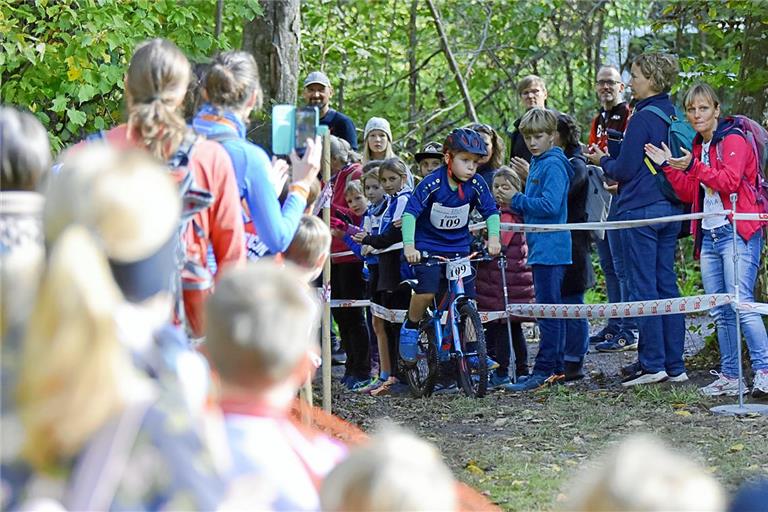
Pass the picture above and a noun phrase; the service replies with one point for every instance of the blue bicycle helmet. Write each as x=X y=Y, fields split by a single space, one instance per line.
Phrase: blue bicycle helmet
x=464 y=139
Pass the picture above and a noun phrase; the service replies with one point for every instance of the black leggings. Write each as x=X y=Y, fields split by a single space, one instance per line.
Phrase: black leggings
x=496 y=338
x=347 y=283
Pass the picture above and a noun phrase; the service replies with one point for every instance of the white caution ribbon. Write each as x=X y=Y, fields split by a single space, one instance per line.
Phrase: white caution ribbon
x=679 y=305
x=590 y=226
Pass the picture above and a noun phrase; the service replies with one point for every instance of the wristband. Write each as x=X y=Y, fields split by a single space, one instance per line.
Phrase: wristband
x=300 y=189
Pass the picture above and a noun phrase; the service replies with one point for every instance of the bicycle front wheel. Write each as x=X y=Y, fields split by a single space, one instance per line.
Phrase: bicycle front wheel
x=473 y=365
x=422 y=374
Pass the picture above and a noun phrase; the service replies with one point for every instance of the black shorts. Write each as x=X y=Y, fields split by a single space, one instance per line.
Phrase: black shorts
x=431 y=279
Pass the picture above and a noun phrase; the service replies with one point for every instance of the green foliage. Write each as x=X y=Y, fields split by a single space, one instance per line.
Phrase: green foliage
x=65 y=59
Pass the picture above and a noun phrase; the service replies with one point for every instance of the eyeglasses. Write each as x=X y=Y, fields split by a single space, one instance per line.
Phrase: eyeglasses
x=609 y=83
x=530 y=92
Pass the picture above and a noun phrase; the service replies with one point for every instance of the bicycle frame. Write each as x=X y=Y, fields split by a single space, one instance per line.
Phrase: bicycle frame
x=448 y=304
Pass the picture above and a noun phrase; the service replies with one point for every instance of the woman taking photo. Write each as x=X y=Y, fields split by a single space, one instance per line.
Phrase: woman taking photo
x=649 y=251
x=722 y=163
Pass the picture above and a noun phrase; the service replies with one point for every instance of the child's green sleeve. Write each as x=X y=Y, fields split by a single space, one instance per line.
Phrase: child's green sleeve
x=409 y=228
x=493 y=223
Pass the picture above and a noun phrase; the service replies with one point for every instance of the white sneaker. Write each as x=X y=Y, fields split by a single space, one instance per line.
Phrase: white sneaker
x=680 y=377
x=723 y=386
x=644 y=378
x=760 y=384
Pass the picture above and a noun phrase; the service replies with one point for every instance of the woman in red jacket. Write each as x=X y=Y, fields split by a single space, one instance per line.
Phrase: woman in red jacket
x=722 y=163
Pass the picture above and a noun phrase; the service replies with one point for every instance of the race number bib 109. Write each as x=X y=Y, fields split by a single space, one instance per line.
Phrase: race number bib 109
x=445 y=217
x=458 y=268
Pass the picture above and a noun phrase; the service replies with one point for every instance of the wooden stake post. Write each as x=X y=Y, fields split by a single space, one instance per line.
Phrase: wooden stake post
x=326 y=324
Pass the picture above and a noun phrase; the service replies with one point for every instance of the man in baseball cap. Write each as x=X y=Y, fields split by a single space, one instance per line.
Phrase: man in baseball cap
x=317 y=93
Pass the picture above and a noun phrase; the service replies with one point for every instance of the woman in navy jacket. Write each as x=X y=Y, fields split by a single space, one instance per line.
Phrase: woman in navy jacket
x=649 y=251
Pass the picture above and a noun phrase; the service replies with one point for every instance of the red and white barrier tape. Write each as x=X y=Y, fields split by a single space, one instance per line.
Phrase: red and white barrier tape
x=679 y=305
x=589 y=226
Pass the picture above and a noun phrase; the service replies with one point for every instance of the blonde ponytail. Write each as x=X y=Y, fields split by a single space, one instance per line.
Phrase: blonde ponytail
x=74 y=368
x=156 y=83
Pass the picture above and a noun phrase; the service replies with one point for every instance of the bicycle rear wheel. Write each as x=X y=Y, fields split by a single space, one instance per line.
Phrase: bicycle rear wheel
x=422 y=374
x=473 y=365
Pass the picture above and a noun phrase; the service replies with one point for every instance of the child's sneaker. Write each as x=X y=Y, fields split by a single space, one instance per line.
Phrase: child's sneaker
x=409 y=339
x=723 y=386
x=355 y=382
x=366 y=386
x=497 y=380
x=618 y=343
x=760 y=384
x=604 y=334
x=474 y=363
x=384 y=387
x=535 y=381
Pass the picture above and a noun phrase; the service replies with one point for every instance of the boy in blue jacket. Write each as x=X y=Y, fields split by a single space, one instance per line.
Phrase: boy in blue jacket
x=545 y=201
x=436 y=220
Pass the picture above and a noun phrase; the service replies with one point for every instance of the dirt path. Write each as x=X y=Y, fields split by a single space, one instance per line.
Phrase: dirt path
x=521 y=449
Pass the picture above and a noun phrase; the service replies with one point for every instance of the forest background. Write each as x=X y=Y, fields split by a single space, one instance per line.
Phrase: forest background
x=65 y=59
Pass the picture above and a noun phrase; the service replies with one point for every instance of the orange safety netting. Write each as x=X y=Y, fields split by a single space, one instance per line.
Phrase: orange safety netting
x=317 y=419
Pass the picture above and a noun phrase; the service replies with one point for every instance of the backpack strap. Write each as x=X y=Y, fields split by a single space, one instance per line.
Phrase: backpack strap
x=101 y=466
x=659 y=113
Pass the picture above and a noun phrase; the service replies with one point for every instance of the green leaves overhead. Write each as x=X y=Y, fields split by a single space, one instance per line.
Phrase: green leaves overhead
x=65 y=60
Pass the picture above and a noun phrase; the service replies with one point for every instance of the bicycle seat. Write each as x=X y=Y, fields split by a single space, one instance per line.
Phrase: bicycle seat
x=410 y=282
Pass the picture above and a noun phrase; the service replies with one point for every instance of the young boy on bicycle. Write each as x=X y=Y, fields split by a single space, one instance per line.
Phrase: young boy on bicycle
x=436 y=220
x=545 y=201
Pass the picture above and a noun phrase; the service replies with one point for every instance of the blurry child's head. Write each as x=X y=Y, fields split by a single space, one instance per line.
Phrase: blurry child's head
x=538 y=127
x=463 y=149
x=394 y=471
x=642 y=474
x=314 y=192
x=393 y=175
x=377 y=140
x=568 y=132
x=355 y=197
x=262 y=327
x=430 y=158
x=506 y=183
x=493 y=144
x=25 y=153
x=374 y=192
x=310 y=246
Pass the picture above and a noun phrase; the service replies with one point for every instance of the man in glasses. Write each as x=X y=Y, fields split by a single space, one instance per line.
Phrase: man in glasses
x=533 y=93
x=619 y=333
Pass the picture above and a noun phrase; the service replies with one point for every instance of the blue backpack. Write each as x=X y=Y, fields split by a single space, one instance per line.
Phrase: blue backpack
x=679 y=134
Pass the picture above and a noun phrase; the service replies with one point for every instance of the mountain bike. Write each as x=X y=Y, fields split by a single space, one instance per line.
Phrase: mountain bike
x=451 y=336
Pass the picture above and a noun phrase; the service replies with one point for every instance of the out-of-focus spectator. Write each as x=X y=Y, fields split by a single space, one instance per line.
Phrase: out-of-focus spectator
x=232 y=92
x=25 y=159
x=156 y=83
x=394 y=471
x=98 y=431
x=643 y=475
x=311 y=246
x=262 y=341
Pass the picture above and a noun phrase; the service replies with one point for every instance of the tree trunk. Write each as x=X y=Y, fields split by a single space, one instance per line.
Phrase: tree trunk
x=753 y=77
x=413 y=76
x=273 y=40
x=468 y=106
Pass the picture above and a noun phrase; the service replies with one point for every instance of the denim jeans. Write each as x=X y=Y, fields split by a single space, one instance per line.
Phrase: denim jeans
x=576 y=332
x=615 y=237
x=547 y=282
x=612 y=286
x=649 y=257
x=717 y=273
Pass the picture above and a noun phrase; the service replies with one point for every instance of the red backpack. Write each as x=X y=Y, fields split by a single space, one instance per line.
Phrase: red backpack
x=757 y=137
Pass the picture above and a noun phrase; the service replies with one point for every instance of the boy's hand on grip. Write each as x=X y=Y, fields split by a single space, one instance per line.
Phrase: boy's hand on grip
x=494 y=246
x=411 y=254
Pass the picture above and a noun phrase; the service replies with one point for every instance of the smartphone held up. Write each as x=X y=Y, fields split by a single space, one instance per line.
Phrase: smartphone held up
x=291 y=127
